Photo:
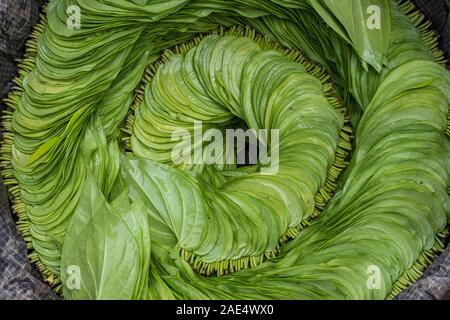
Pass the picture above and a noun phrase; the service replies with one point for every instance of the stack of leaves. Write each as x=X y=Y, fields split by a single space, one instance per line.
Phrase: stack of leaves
x=87 y=148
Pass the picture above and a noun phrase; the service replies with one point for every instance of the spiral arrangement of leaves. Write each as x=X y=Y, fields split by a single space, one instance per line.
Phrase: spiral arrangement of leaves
x=86 y=145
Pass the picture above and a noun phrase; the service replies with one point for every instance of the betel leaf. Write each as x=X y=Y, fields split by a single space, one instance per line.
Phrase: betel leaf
x=106 y=253
x=366 y=22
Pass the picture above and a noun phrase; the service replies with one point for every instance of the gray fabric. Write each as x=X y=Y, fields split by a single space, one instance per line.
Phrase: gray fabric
x=16 y=19
x=435 y=283
x=19 y=280
x=7 y=71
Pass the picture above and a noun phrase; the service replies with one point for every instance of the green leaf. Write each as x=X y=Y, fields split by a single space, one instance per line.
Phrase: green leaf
x=43 y=149
x=367 y=24
x=106 y=253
